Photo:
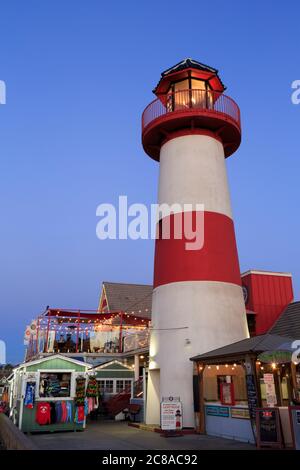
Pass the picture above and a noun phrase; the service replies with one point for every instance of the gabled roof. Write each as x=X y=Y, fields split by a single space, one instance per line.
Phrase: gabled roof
x=256 y=344
x=129 y=298
x=54 y=356
x=115 y=365
x=288 y=324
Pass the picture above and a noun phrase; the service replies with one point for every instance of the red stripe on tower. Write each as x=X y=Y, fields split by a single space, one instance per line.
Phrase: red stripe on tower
x=216 y=260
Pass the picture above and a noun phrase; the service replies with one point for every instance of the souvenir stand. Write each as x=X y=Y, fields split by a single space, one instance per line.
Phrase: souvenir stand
x=249 y=386
x=50 y=394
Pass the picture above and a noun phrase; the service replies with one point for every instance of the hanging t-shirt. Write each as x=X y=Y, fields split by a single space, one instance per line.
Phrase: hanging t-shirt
x=64 y=412
x=58 y=410
x=43 y=415
x=69 y=411
x=53 y=417
x=79 y=415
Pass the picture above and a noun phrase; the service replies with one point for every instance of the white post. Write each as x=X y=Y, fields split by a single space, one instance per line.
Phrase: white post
x=144 y=392
x=136 y=367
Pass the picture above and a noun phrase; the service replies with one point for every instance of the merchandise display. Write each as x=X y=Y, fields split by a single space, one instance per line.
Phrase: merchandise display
x=29 y=395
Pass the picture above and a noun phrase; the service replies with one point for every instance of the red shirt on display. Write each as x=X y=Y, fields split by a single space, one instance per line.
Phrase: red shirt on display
x=43 y=415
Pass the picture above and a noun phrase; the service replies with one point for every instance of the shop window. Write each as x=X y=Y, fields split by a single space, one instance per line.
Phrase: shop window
x=55 y=384
x=223 y=379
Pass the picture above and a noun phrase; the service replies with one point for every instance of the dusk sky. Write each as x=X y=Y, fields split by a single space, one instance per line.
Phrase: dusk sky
x=78 y=76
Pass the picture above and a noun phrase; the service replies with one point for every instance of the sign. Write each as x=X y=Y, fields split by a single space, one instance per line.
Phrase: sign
x=227 y=394
x=268 y=427
x=222 y=411
x=252 y=395
x=294 y=412
x=270 y=389
x=171 y=414
x=240 y=413
x=271 y=394
x=268 y=378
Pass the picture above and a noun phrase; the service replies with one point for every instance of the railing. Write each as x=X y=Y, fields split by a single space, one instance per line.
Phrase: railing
x=119 y=402
x=185 y=101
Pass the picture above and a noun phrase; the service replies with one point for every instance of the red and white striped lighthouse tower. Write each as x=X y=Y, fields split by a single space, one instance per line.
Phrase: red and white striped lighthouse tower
x=190 y=128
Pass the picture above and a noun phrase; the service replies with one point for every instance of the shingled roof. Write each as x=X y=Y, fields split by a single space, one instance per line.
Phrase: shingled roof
x=256 y=344
x=288 y=324
x=188 y=63
x=129 y=298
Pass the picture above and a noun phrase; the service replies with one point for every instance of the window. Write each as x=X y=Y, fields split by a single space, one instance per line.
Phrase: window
x=55 y=384
x=198 y=84
x=106 y=386
x=222 y=379
x=122 y=385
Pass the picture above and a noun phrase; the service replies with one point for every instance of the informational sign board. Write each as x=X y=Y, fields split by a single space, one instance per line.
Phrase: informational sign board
x=270 y=389
x=214 y=410
x=295 y=425
x=252 y=395
x=227 y=394
x=268 y=378
x=171 y=414
x=240 y=413
x=268 y=428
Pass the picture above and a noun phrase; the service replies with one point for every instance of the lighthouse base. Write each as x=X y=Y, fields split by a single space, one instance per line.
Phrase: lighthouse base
x=189 y=318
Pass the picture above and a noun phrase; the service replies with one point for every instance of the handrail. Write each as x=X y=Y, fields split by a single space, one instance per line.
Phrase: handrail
x=191 y=100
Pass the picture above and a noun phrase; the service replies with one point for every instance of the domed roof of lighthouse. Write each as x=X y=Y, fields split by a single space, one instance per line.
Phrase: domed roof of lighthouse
x=192 y=69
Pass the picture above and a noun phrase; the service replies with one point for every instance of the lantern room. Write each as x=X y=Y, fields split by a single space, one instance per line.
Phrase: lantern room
x=190 y=99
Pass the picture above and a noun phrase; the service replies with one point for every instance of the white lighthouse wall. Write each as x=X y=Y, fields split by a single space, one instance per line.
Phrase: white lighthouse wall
x=153 y=394
x=193 y=171
x=191 y=318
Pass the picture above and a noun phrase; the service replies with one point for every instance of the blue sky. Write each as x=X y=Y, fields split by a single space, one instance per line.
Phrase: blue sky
x=78 y=75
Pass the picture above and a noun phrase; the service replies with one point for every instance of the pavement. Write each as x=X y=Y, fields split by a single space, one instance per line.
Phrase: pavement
x=116 y=435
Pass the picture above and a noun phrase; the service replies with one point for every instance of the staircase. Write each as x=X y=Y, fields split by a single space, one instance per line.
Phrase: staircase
x=119 y=402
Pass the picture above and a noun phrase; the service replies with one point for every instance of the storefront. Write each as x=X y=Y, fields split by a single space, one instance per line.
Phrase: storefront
x=52 y=394
x=233 y=381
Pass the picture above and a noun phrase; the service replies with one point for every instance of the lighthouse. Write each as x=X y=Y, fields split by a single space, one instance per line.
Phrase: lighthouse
x=190 y=129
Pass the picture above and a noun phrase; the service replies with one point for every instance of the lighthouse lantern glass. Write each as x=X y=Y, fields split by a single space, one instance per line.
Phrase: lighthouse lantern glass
x=188 y=93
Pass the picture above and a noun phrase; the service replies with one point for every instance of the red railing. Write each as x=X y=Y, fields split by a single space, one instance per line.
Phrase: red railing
x=184 y=101
x=119 y=402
